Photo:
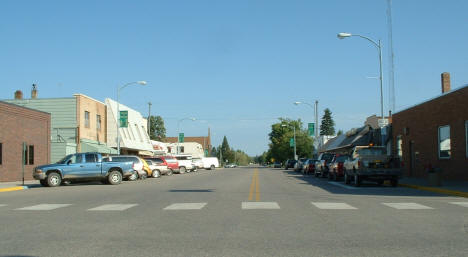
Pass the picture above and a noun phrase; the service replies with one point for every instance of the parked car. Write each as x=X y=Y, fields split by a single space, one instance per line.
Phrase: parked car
x=197 y=163
x=290 y=164
x=321 y=167
x=210 y=163
x=299 y=164
x=172 y=164
x=138 y=165
x=335 y=167
x=309 y=166
x=277 y=165
x=156 y=168
x=83 y=167
x=370 y=163
x=230 y=165
x=185 y=163
x=162 y=165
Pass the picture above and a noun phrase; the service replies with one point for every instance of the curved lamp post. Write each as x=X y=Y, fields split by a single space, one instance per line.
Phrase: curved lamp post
x=141 y=82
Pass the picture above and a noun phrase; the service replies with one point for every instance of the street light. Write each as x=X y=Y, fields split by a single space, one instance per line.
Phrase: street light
x=294 y=129
x=141 y=82
x=377 y=44
x=178 y=129
x=315 y=107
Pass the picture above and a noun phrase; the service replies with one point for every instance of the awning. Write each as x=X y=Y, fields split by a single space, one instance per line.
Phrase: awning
x=95 y=146
x=147 y=153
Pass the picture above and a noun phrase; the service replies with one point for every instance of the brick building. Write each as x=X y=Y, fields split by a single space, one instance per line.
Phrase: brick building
x=20 y=125
x=434 y=134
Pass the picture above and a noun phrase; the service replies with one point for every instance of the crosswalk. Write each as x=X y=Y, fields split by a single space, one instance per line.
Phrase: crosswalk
x=337 y=206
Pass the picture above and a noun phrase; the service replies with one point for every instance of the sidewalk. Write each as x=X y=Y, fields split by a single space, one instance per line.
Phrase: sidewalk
x=449 y=187
x=18 y=185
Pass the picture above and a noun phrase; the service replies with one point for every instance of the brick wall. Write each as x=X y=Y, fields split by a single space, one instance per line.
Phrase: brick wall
x=421 y=124
x=18 y=125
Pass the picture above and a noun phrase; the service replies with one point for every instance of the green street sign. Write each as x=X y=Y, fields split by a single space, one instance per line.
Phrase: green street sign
x=311 y=129
x=123 y=119
x=206 y=153
x=181 y=137
x=291 y=142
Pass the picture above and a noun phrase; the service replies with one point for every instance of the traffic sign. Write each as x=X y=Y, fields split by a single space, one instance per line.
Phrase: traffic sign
x=181 y=137
x=311 y=129
x=123 y=119
x=291 y=142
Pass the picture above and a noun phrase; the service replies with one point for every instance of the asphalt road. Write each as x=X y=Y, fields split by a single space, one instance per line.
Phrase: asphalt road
x=231 y=212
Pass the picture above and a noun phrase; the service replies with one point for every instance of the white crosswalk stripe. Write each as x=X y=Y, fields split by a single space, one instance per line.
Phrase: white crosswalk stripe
x=43 y=207
x=464 y=204
x=407 y=206
x=113 y=207
x=185 y=206
x=1 y=205
x=260 y=205
x=333 y=206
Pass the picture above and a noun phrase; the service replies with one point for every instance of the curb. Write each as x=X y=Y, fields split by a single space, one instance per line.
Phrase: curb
x=437 y=190
x=9 y=189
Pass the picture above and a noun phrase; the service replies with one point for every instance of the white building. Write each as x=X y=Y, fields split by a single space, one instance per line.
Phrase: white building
x=192 y=148
x=134 y=139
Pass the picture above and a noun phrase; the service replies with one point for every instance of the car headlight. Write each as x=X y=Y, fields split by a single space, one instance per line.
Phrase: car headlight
x=38 y=171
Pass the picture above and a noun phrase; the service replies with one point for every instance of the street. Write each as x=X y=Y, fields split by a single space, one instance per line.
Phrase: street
x=245 y=211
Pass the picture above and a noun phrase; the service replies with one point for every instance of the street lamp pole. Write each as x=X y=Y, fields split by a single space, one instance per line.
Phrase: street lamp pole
x=379 y=47
x=315 y=107
x=142 y=82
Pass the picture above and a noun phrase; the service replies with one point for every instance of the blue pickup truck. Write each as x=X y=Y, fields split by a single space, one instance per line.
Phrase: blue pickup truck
x=83 y=167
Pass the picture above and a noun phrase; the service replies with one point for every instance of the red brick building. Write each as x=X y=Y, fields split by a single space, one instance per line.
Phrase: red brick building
x=20 y=125
x=434 y=134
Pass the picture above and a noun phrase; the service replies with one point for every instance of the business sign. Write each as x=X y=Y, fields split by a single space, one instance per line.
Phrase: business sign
x=311 y=129
x=123 y=119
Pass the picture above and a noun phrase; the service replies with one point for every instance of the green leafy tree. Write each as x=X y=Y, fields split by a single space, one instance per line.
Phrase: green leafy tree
x=327 y=128
x=340 y=132
x=157 y=128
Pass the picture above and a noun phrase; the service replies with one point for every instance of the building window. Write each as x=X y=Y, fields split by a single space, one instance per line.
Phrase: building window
x=399 y=147
x=1 y=153
x=444 y=142
x=86 y=119
x=31 y=155
x=98 y=122
x=182 y=149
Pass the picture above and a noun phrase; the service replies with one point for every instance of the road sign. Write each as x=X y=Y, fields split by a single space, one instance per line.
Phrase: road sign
x=383 y=122
x=181 y=137
x=123 y=119
x=291 y=142
x=311 y=129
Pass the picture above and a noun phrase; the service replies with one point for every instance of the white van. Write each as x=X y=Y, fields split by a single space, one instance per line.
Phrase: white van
x=185 y=163
x=210 y=163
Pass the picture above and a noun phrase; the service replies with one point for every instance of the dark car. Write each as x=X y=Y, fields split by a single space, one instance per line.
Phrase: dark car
x=277 y=165
x=335 y=167
x=290 y=164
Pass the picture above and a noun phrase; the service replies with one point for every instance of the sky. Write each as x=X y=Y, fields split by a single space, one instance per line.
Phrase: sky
x=235 y=66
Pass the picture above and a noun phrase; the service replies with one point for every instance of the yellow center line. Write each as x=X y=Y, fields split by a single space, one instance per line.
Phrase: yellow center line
x=254 y=187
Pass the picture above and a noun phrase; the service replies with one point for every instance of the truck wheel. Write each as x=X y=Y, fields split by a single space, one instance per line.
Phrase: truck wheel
x=54 y=179
x=156 y=174
x=43 y=182
x=182 y=170
x=114 y=177
x=394 y=182
x=212 y=167
x=357 y=180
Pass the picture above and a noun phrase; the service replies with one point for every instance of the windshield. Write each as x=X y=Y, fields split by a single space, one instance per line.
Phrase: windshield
x=64 y=159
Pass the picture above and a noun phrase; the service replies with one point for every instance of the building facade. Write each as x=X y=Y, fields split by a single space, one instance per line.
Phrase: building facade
x=205 y=142
x=24 y=141
x=434 y=134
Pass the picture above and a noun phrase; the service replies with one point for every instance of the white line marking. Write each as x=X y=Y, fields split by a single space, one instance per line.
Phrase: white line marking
x=1 y=205
x=342 y=185
x=113 y=207
x=464 y=204
x=185 y=206
x=260 y=205
x=43 y=207
x=407 y=206
x=333 y=206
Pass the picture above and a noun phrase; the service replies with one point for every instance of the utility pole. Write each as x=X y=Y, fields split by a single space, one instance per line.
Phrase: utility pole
x=316 y=128
x=149 y=119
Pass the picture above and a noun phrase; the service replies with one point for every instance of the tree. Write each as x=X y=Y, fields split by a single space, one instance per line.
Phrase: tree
x=157 y=129
x=226 y=150
x=327 y=128
x=340 y=132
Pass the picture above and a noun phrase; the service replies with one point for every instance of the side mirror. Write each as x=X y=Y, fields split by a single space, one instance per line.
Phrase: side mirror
x=69 y=162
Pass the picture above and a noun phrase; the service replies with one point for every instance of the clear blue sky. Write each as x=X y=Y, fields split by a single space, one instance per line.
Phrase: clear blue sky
x=235 y=65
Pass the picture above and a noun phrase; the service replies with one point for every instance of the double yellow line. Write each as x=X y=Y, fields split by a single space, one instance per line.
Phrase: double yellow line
x=254 y=189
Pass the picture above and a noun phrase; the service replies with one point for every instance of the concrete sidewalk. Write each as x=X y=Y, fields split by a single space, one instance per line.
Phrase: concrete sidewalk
x=449 y=187
x=18 y=185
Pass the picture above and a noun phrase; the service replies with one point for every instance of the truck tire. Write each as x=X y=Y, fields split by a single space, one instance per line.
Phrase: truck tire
x=212 y=167
x=43 y=182
x=114 y=177
x=357 y=180
x=54 y=179
x=156 y=174
x=182 y=170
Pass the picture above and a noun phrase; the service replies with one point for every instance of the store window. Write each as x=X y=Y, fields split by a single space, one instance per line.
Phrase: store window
x=98 y=122
x=444 y=142
x=86 y=119
x=31 y=155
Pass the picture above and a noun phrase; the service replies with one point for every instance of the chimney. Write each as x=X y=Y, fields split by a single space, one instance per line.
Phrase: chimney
x=445 y=78
x=18 y=95
x=34 y=91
